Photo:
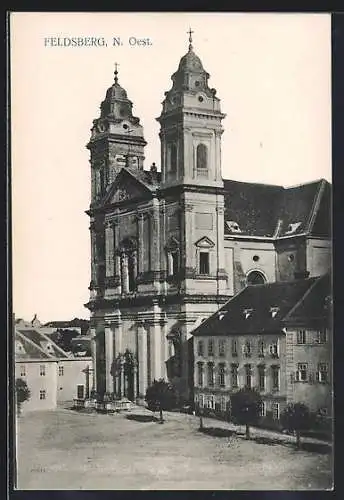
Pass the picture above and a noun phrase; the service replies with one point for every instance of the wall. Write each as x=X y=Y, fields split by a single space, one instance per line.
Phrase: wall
x=239 y=259
x=269 y=396
x=291 y=258
x=315 y=394
x=319 y=256
x=73 y=375
x=37 y=382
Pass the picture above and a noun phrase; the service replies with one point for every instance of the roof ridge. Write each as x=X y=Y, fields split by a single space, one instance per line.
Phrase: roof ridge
x=54 y=344
x=254 y=183
x=307 y=292
x=316 y=181
x=27 y=339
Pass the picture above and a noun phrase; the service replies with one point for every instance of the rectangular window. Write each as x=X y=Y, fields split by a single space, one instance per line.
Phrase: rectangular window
x=301 y=336
x=210 y=374
x=221 y=375
x=275 y=411
x=42 y=370
x=322 y=372
x=201 y=400
x=200 y=374
x=261 y=348
x=275 y=371
x=210 y=347
x=274 y=349
x=234 y=376
x=22 y=370
x=200 y=348
x=204 y=263
x=222 y=348
x=210 y=402
x=42 y=394
x=301 y=374
x=247 y=349
x=61 y=371
x=322 y=336
x=248 y=376
x=262 y=409
x=261 y=378
x=234 y=347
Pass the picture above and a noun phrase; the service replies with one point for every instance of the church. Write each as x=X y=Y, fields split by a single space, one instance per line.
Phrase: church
x=170 y=246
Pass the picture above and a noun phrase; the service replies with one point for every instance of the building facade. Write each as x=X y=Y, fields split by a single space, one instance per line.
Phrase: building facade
x=52 y=375
x=276 y=338
x=169 y=247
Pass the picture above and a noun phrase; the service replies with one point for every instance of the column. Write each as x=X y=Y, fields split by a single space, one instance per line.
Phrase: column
x=93 y=252
x=135 y=373
x=121 y=393
x=154 y=237
x=109 y=250
x=155 y=343
x=140 y=265
x=94 y=358
x=125 y=276
x=142 y=358
x=189 y=246
x=108 y=358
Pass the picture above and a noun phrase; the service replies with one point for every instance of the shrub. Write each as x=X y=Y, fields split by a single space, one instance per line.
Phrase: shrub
x=297 y=418
x=22 y=392
x=245 y=408
x=161 y=396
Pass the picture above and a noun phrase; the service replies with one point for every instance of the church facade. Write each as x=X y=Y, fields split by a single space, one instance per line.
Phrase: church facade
x=169 y=247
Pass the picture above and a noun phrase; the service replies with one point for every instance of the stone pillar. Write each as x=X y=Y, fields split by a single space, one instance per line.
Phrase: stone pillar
x=93 y=252
x=108 y=358
x=142 y=358
x=109 y=250
x=121 y=394
x=124 y=272
x=135 y=373
x=189 y=237
x=94 y=358
x=155 y=238
x=140 y=242
x=155 y=343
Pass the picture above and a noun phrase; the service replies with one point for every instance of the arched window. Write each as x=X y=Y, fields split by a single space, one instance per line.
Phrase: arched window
x=255 y=278
x=131 y=272
x=201 y=157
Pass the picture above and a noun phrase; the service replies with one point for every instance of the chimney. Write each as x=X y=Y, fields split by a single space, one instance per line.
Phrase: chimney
x=301 y=275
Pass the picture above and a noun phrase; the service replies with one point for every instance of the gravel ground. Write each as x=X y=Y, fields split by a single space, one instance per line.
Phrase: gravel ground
x=64 y=449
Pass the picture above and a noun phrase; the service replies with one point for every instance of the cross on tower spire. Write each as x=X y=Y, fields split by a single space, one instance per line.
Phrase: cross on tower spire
x=190 y=38
x=116 y=72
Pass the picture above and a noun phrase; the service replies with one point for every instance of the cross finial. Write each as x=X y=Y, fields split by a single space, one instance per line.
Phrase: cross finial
x=190 y=38
x=116 y=72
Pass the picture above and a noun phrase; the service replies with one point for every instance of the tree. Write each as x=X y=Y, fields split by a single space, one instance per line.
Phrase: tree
x=22 y=393
x=245 y=408
x=296 y=417
x=161 y=396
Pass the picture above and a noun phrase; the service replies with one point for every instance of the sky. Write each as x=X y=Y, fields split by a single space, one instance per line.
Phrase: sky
x=272 y=73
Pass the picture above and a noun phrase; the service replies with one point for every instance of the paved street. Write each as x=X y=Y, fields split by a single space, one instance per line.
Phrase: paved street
x=64 y=449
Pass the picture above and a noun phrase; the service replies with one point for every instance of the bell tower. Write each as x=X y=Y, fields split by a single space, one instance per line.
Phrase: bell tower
x=116 y=140
x=191 y=127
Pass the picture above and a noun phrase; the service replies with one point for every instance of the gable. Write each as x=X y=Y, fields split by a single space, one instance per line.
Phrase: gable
x=125 y=188
x=205 y=242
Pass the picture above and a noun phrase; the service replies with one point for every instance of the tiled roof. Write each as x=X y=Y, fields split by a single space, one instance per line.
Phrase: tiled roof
x=43 y=342
x=251 y=310
x=258 y=208
x=315 y=305
x=253 y=206
x=30 y=349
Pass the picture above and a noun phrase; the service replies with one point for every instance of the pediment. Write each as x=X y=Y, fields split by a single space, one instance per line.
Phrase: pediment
x=126 y=187
x=205 y=242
